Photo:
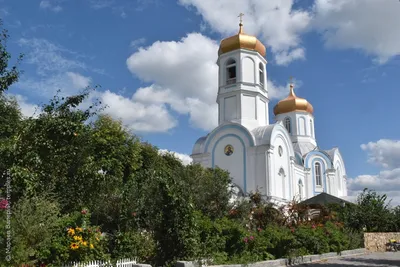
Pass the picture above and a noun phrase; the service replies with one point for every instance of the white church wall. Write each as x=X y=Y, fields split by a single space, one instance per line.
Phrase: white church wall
x=238 y=162
x=331 y=187
x=252 y=183
x=340 y=177
x=234 y=163
x=248 y=70
x=299 y=188
x=230 y=108
x=301 y=126
x=262 y=112
x=311 y=127
x=202 y=159
x=258 y=173
x=249 y=107
x=282 y=183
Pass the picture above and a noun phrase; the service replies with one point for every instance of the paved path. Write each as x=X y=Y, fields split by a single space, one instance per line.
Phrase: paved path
x=384 y=259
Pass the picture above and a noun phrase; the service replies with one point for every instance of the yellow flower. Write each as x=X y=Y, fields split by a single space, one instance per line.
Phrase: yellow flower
x=71 y=231
x=77 y=238
x=78 y=229
x=97 y=239
x=74 y=246
x=91 y=246
x=84 y=243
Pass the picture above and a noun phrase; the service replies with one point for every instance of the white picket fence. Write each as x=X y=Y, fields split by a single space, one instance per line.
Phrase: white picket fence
x=120 y=263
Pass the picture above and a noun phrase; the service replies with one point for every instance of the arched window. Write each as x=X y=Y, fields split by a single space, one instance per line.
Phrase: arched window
x=339 y=178
x=261 y=73
x=288 y=125
x=231 y=71
x=317 y=171
x=311 y=129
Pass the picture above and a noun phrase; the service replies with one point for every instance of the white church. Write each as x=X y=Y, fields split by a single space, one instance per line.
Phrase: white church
x=281 y=160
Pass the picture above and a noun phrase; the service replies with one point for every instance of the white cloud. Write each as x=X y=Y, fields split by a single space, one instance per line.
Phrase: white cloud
x=50 y=5
x=47 y=87
x=57 y=68
x=386 y=182
x=275 y=22
x=79 y=81
x=368 y=25
x=183 y=76
x=48 y=57
x=136 y=116
x=285 y=57
x=27 y=109
x=184 y=158
x=137 y=43
x=385 y=153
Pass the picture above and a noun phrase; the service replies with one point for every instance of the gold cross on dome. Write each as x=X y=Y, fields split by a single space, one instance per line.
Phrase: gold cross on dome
x=241 y=17
x=291 y=79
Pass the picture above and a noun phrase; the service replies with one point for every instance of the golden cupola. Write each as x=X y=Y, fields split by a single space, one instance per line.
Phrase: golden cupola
x=241 y=41
x=293 y=103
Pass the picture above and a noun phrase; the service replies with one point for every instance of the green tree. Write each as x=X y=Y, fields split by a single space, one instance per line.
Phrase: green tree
x=8 y=76
x=34 y=222
x=116 y=156
x=209 y=189
x=371 y=214
x=51 y=149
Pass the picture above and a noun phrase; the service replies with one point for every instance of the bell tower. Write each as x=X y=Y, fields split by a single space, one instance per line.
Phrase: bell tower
x=242 y=83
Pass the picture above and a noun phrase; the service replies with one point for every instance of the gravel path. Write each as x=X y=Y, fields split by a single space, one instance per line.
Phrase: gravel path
x=389 y=259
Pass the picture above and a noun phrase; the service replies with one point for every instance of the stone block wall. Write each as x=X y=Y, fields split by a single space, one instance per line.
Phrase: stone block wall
x=376 y=242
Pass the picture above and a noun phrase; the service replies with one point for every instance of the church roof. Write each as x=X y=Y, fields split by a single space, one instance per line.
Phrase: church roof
x=293 y=103
x=198 y=146
x=241 y=41
x=323 y=199
x=331 y=152
x=263 y=133
x=303 y=148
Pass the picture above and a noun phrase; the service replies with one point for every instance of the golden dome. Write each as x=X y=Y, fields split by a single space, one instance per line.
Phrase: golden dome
x=241 y=41
x=293 y=103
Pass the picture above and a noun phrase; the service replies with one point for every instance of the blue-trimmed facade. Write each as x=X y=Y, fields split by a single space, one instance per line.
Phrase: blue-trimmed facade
x=319 y=156
x=238 y=127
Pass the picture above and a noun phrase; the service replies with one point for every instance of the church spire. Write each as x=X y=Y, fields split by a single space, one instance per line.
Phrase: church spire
x=241 y=23
x=291 y=87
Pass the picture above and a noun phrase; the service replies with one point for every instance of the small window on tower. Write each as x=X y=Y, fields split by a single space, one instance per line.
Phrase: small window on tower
x=261 y=73
x=231 y=71
x=287 y=124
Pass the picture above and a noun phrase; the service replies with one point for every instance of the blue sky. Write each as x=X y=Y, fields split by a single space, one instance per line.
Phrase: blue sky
x=155 y=62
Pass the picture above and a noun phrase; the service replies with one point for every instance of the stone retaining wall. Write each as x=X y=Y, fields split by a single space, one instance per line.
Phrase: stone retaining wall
x=283 y=262
x=377 y=241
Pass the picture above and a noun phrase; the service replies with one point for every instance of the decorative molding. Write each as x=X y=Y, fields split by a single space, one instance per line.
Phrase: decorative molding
x=330 y=170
